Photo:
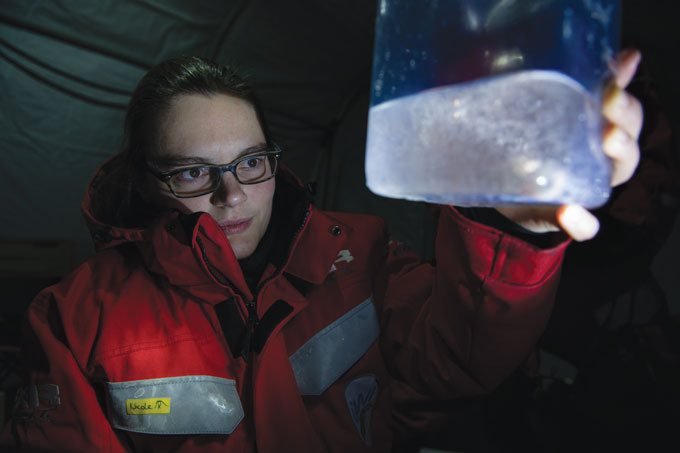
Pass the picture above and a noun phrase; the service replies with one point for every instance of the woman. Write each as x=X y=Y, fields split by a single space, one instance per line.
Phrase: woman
x=223 y=312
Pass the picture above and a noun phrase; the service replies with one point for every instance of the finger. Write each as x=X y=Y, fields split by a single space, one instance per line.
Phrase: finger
x=623 y=151
x=624 y=66
x=623 y=109
x=578 y=222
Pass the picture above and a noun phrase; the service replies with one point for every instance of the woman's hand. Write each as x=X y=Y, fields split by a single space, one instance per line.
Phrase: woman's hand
x=623 y=123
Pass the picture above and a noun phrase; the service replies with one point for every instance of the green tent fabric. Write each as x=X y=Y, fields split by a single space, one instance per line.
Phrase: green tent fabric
x=67 y=70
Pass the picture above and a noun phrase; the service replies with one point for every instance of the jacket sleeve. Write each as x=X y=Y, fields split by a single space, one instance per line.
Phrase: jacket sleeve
x=458 y=328
x=57 y=409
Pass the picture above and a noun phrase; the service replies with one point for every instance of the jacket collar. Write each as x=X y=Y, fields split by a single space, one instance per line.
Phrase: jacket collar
x=316 y=250
x=192 y=252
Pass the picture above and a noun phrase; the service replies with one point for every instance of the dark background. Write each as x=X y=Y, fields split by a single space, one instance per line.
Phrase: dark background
x=67 y=69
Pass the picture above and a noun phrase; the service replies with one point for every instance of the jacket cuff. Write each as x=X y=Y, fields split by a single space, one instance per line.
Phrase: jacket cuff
x=491 y=217
x=496 y=255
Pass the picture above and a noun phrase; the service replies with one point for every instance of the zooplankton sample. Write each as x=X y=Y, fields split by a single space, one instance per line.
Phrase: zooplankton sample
x=527 y=136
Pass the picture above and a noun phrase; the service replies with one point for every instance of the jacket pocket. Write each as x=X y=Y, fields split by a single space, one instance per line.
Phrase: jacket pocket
x=175 y=405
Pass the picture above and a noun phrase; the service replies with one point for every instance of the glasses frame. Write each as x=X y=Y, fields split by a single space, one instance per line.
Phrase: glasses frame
x=165 y=176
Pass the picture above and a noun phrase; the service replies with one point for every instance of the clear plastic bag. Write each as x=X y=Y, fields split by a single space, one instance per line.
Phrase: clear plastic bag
x=491 y=102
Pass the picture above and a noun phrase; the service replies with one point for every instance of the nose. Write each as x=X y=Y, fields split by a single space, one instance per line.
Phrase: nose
x=230 y=192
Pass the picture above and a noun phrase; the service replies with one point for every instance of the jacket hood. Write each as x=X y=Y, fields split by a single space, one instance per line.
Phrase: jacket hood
x=104 y=197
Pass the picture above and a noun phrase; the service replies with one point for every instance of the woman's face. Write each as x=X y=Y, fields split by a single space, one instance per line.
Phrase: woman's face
x=216 y=129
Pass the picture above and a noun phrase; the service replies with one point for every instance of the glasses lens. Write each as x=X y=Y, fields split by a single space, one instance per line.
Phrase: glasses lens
x=253 y=169
x=195 y=180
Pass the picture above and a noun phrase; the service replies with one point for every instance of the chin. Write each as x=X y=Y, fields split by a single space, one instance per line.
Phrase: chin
x=242 y=251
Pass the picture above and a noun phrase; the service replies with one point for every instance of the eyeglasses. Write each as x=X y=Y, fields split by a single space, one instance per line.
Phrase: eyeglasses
x=197 y=180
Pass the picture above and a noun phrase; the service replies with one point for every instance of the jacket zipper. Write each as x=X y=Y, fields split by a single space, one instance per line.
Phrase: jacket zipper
x=251 y=322
x=251 y=306
x=251 y=325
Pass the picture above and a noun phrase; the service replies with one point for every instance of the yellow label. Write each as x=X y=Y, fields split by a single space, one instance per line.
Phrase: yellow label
x=148 y=406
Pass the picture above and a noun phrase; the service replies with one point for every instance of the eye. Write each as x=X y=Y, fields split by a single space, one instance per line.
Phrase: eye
x=191 y=174
x=253 y=162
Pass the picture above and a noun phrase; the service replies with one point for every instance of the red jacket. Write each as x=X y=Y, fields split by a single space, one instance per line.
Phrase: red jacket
x=351 y=333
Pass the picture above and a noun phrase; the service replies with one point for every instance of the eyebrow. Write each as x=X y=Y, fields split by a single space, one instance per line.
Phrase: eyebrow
x=168 y=161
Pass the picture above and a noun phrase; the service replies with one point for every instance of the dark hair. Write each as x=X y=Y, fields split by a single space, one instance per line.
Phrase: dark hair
x=117 y=199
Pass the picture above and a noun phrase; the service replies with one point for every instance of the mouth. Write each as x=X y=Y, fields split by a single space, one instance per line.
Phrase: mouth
x=235 y=226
